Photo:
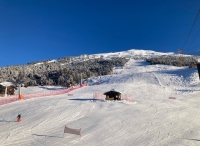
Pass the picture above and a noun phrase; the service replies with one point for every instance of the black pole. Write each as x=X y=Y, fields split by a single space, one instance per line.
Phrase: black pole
x=198 y=68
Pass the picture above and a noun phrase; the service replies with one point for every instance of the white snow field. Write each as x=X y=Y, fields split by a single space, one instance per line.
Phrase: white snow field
x=151 y=120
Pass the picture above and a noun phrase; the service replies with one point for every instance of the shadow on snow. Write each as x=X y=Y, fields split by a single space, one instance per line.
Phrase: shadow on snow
x=47 y=135
x=85 y=99
x=6 y=121
x=193 y=139
x=48 y=88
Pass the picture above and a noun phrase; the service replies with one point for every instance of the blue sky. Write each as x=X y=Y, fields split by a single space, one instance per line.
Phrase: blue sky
x=34 y=30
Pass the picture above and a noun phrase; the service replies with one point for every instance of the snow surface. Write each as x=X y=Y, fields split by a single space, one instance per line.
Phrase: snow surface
x=151 y=120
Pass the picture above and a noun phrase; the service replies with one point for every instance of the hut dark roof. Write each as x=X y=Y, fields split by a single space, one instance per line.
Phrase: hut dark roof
x=112 y=91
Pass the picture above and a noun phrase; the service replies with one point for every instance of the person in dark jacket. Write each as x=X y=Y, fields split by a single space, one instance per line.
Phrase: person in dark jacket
x=19 y=118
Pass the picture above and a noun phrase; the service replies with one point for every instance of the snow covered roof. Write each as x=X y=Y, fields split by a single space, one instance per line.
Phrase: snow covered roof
x=113 y=90
x=6 y=83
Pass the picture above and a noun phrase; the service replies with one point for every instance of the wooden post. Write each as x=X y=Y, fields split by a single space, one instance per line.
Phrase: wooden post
x=6 y=92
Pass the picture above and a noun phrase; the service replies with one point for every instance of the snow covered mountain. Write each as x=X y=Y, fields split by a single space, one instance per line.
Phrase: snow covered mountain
x=153 y=118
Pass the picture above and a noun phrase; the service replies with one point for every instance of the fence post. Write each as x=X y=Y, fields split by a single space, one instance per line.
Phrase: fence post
x=20 y=95
x=6 y=91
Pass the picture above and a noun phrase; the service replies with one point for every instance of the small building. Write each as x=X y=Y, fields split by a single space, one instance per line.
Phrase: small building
x=113 y=95
x=8 y=88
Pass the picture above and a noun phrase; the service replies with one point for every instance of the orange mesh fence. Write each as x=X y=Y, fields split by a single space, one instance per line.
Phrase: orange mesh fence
x=9 y=99
x=99 y=96
x=13 y=98
x=127 y=97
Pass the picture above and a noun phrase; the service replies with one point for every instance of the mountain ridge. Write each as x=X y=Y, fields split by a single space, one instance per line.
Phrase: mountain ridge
x=69 y=71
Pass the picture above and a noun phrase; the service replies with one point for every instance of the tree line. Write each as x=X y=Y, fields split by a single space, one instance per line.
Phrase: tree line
x=65 y=72
x=70 y=71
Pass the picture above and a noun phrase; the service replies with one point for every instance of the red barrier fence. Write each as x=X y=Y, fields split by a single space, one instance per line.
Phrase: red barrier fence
x=101 y=96
x=13 y=98
x=6 y=100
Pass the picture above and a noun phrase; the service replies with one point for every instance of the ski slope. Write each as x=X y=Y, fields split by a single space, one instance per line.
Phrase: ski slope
x=151 y=120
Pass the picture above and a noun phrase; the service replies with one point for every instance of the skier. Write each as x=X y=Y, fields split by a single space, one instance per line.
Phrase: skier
x=19 y=118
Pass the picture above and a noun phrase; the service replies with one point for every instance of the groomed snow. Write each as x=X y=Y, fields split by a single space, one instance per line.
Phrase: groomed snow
x=151 y=120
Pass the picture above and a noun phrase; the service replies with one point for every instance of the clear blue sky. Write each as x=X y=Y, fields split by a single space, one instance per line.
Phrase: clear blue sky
x=33 y=30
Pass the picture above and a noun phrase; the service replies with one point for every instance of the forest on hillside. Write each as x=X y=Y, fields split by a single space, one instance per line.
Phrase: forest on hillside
x=65 y=71
x=70 y=71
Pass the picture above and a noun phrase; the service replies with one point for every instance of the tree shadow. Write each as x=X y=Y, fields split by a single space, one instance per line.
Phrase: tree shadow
x=188 y=90
x=192 y=139
x=47 y=88
x=47 y=135
x=85 y=99
x=6 y=121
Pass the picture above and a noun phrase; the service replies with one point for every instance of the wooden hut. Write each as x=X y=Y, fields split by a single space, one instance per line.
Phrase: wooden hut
x=113 y=95
x=9 y=91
